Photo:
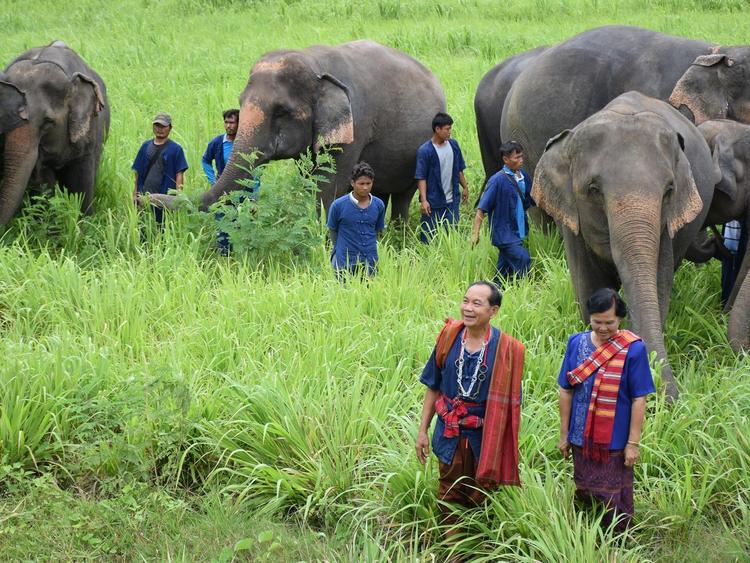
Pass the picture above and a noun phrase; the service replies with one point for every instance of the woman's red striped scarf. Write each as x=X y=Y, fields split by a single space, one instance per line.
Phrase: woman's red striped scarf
x=610 y=356
x=498 y=460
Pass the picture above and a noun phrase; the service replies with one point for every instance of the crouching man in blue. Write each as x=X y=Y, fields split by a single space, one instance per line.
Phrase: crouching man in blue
x=354 y=223
x=160 y=163
x=440 y=166
x=506 y=199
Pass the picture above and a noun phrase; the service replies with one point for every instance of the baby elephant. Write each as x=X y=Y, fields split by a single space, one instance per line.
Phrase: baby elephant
x=54 y=117
x=730 y=143
x=630 y=188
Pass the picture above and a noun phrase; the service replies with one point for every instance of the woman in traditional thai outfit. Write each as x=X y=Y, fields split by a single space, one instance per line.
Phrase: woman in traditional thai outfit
x=604 y=381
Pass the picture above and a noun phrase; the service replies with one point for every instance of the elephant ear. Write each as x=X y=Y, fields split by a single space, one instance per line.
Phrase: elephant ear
x=12 y=106
x=552 y=186
x=713 y=59
x=333 y=114
x=86 y=101
x=730 y=170
x=686 y=202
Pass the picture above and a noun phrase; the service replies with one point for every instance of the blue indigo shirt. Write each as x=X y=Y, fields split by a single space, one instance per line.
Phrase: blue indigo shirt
x=636 y=382
x=500 y=201
x=445 y=380
x=174 y=162
x=218 y=151
x=357 y=229
x=428 y=168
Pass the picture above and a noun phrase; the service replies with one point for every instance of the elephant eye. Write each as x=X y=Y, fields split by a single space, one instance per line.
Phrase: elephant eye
x=594 y=189
x=280 y=111
x=669 y=190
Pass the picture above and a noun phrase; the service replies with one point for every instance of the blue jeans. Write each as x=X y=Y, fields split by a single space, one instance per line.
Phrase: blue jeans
x=513 y=260
x=447 y=216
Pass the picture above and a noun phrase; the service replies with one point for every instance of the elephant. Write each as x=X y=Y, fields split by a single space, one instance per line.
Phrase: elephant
x=488 y=106
x=574 y=79
x=730 y=143
x=377 y=103
x=629 y=188
x=54 y=117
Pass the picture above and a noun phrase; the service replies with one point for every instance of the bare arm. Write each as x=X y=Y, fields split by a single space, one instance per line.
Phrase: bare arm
x=428 y=411
x=565 y=403
x=637 y=414
x=422 y=187
x=465 y=186
x=179 y=180
x=333 y=235
x=135 y=188
x=478 y=218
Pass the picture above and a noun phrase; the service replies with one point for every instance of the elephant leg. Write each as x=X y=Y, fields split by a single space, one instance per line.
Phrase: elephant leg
x=587 y=271
x=400 y=205
x=79 y=177
x=738 y=329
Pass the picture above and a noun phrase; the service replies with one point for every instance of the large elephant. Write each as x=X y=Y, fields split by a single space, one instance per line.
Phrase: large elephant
x=54 y=117
x=377 y=103
x=570 y=81
x=730 y=143
x=629 y=187
x=488 y=106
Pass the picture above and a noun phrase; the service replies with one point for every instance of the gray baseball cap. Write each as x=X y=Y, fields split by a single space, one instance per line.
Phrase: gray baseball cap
x=163 y=119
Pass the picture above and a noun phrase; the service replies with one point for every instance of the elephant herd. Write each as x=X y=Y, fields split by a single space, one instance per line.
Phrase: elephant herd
x=636 y=141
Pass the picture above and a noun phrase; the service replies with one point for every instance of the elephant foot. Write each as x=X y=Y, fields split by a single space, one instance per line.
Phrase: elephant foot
x=671 y=393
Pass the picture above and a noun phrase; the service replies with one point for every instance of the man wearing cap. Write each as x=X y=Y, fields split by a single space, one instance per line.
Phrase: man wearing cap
x=160 y=163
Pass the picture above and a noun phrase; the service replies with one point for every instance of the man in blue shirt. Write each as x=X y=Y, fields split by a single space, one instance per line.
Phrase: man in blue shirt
x=440 y=166
x=220 y=147
x=354 y=223
x=160 y=163
x=506 y=199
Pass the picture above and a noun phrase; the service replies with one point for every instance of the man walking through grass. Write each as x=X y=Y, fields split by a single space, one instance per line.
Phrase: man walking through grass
x=473 y=380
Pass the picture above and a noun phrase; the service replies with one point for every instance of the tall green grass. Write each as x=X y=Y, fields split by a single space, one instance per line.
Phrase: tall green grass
x=136 y=358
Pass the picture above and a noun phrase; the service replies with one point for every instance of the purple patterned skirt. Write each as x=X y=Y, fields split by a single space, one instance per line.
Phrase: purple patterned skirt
x=609 y=483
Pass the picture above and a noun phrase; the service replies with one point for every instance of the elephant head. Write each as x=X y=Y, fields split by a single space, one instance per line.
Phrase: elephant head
x=45 y=105
x=715 y=86
x=287 y=107
x=621 y=184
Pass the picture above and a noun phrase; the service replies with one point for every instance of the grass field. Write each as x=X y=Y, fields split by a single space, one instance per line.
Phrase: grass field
x=160 y=402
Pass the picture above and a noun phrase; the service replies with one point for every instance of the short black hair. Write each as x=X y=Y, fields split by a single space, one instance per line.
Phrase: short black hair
x=231 y=112
x=362 y=169
x=509 y=147
x=603 y=299
x=441 y=120
x=496 y=296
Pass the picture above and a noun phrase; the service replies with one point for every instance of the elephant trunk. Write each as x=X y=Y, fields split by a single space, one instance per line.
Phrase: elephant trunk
x=636 y=249
x=252 y=119
x=19 y=158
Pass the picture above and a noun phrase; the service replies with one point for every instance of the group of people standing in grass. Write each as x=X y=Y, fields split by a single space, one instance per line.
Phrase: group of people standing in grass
x=442 y=188
x=473 y=384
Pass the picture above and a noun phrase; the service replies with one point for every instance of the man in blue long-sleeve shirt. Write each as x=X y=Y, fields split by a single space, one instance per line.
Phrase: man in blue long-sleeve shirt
x=220 y=147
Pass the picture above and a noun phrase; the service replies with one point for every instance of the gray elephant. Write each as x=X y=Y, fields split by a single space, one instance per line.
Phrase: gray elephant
x=377 y=103
x=730 y=143
x=715 y=86
x=54 y=118
x=488 y=106
x=570 y=81
x=629 y=187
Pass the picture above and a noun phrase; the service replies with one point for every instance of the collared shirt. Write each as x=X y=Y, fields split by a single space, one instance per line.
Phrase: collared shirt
x=357 y=229
x=446 y=381
x=500 y=201
x=428 y=169
x=173 y=161
x=636 y=382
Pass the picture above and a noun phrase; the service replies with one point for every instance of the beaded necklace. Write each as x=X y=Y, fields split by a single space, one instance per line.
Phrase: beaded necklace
x=480 y=371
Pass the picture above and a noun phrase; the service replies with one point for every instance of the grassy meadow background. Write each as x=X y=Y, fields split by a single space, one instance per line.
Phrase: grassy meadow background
x=160 y=402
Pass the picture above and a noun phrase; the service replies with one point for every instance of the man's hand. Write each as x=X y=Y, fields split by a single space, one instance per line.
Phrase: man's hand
x=564 y=447
x=474 y=239
x=632 y=453
x=425 y=207
x=465 y=195
x=423 y=447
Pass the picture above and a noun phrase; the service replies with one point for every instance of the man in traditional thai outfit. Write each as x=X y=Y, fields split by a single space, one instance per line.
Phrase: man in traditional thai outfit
x=604 y=381
x=473 y=380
